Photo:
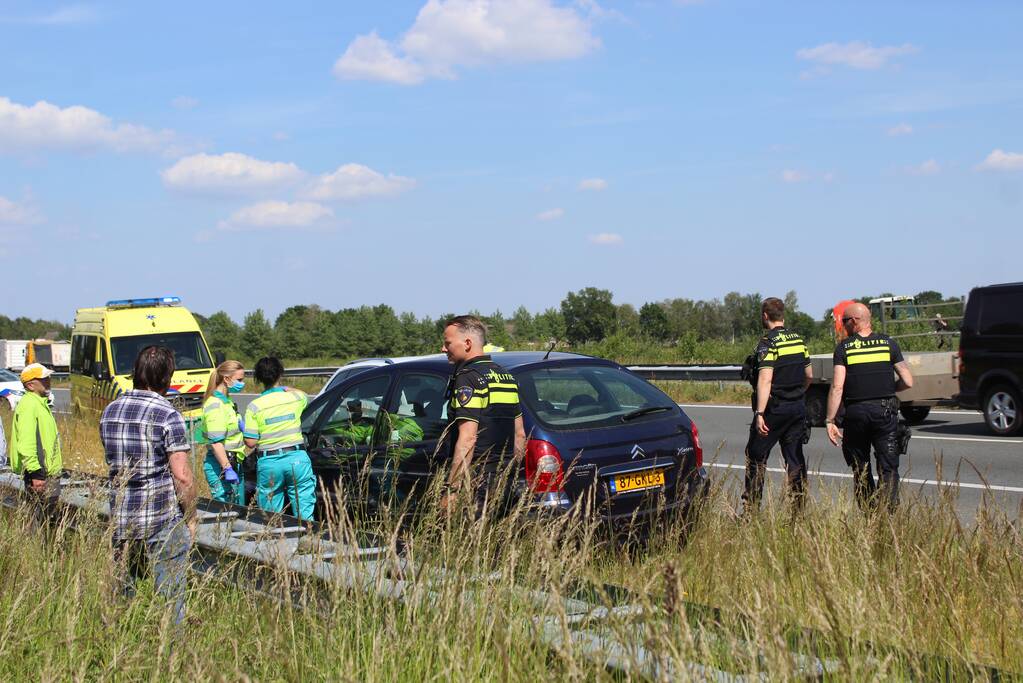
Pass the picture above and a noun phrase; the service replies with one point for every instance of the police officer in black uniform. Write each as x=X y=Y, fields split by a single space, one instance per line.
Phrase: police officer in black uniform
x=866 y=364
x=485 y=420
x=780 y=373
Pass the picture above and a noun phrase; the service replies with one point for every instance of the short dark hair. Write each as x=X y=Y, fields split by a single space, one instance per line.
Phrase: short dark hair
x=268 y=370
x=154 y=367
x=469 y=324
x=774 y=308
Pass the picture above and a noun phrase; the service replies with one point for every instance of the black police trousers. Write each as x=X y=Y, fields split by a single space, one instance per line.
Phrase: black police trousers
x=873 y=423
x=786 y=422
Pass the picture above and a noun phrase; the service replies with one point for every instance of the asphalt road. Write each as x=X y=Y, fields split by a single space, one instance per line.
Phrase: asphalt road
x=950 y=446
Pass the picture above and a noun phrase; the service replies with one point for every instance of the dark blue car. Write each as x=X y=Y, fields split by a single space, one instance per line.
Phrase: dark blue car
x=598 y=435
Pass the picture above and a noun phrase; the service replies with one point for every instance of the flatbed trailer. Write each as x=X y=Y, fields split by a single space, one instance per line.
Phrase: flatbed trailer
x=935 y=382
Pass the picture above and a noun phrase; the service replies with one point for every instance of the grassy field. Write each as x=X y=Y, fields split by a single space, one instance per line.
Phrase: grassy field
x=878 y=597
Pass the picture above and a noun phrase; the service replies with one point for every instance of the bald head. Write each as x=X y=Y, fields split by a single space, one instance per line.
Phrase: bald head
x=856 y=319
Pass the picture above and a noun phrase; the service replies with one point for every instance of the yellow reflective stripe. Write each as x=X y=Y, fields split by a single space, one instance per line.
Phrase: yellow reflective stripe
x=474 y=402
x=792 y=350
x=793 y=342
x=771 y=355
x=505 y=398
x=869 y=349
x=877 y=357
x=502 y=385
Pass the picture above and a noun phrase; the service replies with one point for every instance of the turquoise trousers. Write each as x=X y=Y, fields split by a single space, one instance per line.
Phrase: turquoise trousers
x=220 y=489
x=288 y=474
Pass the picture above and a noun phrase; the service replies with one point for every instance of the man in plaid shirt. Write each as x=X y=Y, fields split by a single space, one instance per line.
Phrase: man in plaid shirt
x=152 y=491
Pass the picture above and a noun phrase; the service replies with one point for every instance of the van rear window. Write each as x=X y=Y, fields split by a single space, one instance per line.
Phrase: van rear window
x=189 y=350
x=588 y=396
x=1002 y=313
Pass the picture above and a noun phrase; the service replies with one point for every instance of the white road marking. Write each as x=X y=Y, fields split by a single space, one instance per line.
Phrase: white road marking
x=904 y=480
x=963 y=438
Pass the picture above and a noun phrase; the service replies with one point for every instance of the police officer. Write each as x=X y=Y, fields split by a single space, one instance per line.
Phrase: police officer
x=273 y=426
x=780 y=374
x=484 y=417
x=866 y=364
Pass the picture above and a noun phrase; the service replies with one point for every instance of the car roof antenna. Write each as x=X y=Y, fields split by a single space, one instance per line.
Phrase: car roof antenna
x=554 y=342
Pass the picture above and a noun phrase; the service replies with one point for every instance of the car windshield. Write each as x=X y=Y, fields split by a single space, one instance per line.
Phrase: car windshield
x=588 y=396
x=189 y=350
x=7 y=376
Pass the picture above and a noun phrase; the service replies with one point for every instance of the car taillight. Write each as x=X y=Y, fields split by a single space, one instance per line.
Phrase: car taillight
x=697 y=447
x=543 y=467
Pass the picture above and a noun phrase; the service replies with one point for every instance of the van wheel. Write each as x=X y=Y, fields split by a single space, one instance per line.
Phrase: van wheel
x=914 y=415
x=817 y=405
x=1002 y=410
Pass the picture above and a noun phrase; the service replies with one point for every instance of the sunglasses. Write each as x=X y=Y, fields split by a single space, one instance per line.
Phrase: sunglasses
x=845 y=320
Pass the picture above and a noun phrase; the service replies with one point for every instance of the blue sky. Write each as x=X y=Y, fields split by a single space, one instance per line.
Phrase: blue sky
x=481 y=154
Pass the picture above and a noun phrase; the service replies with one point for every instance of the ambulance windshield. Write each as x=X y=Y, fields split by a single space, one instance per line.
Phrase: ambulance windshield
x=189 y=350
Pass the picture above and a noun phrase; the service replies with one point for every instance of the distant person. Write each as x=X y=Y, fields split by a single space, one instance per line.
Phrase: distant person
x=941 y=329
x=152 y=490
x=221 y=428
x=35 y=444
x=485 y=419
x=780 y=374
x=866 y=364
x=273 y=426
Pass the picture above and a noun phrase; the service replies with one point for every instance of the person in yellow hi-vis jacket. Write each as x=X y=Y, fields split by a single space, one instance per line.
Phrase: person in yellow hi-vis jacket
x=34 y=450
x=222 y=432
x=273 y=426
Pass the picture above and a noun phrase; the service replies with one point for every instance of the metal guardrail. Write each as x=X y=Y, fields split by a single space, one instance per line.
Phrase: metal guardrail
x=692 y=373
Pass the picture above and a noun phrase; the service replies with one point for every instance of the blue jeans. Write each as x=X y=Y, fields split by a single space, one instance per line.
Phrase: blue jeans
x=220 y=489
x=166 y=554
x=286 y=475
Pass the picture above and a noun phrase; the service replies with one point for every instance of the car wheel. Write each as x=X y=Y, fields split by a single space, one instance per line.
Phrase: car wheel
x=1002 y=410
x=914 y=415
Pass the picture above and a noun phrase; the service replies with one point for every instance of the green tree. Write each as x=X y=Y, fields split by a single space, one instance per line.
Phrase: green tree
x=589 y=315
x=627 y=320
x=388 y=331
x=653 y=321
x=929 y=297
x=257 y=337
x=523 y=328
x=497 y=329
x=222 y=334
x=293 y=330
x=549 y=325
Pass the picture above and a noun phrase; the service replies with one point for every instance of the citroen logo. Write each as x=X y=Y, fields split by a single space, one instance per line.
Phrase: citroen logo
x=638 y=452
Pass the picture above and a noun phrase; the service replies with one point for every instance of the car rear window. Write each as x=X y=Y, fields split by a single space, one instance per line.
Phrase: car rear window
x=587 y=396
x=1001 y=313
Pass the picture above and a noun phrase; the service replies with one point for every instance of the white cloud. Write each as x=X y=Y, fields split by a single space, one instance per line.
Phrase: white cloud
x=14 y=214
x=277 y=215
x=593 y=184
x=901 y=129
x=184 y=102
x=792 y=176
x=62 y=16
x=229 y=173
x=1000 y=160
x=856 y=55
x=929 y=167
x=448 y=34
x=605 y=239
x=550 y=215
x=355 y=181
x=44 y=125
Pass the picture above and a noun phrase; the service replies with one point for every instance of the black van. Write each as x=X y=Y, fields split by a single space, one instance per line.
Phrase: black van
x=991 y=356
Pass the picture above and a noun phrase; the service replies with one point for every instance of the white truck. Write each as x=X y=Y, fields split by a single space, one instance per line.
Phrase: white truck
x=12 y=354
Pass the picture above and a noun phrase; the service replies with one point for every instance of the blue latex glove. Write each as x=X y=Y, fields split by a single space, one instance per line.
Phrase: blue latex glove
x=230 y=476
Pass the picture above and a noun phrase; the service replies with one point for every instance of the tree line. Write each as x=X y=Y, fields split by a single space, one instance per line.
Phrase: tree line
x=588 y=320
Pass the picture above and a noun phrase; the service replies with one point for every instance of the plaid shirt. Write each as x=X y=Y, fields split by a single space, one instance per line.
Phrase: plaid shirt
x=139 y=430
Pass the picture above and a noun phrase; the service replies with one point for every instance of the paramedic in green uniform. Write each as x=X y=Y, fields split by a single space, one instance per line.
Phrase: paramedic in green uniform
x=273 y=426
x=222 y=432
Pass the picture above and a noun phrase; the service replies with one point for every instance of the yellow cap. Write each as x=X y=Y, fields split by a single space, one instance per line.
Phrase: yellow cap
x=35 y=371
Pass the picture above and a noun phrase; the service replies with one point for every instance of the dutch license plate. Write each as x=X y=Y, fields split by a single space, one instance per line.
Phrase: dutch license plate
x=637 y=481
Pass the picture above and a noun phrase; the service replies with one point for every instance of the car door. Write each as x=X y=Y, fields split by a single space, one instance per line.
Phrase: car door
x=408 y=454
x=341 y=433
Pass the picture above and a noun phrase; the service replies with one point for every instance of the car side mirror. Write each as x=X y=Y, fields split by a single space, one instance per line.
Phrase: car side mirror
x=99 y=373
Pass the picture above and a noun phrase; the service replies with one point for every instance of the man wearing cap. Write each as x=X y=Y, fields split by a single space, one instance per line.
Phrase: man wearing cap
x=35 y=443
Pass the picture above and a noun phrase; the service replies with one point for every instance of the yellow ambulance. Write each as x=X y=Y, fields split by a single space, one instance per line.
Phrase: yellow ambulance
x=106 y=340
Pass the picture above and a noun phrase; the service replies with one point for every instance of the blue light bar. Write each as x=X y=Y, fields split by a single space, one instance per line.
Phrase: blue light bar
x=141 y=303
